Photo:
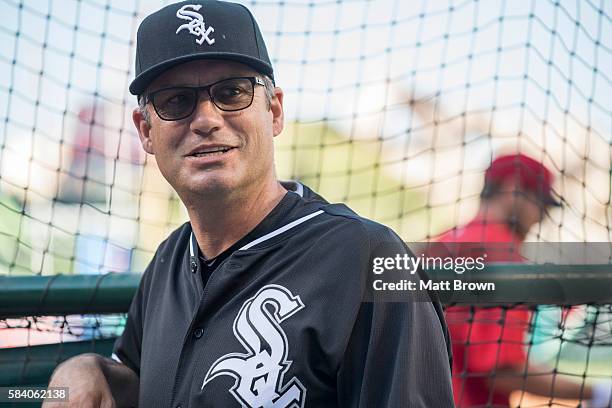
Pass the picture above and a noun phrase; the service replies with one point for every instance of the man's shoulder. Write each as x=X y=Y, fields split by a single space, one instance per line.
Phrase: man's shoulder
x=341 y=219
x=359 y=227
x=479 y=231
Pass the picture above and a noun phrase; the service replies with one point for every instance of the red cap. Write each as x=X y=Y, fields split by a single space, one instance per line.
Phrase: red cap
x=533 y=175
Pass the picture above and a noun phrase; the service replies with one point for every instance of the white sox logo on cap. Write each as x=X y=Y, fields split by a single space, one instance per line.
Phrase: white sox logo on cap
x=196 y=23
x=201 y=30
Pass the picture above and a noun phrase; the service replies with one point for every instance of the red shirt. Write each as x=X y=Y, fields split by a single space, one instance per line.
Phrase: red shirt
x=485 y=339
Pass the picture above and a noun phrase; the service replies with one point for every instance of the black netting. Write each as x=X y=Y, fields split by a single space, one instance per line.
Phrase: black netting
x=394 y=107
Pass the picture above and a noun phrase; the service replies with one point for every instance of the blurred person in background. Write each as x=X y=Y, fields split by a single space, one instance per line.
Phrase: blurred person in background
x=489 y=355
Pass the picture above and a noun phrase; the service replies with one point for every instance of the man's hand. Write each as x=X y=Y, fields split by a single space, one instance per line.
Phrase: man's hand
x=94 y=381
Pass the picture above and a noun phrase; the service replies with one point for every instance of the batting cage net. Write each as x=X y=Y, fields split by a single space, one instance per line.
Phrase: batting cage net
x=393 y=107
x=564 y=345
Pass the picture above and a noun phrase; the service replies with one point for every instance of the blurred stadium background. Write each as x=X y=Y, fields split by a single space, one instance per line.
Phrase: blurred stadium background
x=394 y=107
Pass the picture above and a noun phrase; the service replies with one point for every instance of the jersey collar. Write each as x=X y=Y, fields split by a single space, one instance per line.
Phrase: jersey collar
x=271 y=226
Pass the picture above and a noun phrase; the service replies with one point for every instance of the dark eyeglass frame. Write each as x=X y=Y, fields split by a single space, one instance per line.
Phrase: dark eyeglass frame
x=198 y=90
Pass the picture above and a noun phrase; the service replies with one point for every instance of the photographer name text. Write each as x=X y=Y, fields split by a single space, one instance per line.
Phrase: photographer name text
x=444 y=285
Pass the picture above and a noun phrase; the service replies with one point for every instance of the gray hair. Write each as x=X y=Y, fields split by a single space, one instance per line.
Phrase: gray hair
x=268 y=89
x=142 y=107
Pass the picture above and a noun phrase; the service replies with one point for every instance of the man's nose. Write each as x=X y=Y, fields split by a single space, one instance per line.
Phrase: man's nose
x=206 y=116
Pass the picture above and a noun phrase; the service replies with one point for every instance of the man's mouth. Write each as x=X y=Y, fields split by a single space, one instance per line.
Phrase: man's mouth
x=213 y=151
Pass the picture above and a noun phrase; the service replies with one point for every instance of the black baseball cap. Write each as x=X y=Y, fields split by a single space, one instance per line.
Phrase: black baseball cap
x=192 y=30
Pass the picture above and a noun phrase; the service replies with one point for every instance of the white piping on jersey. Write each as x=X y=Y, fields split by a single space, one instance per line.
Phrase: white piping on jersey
x=116 y=358
x=191 y=252
x=267 y=236
x=281 y=230
x=299 y=190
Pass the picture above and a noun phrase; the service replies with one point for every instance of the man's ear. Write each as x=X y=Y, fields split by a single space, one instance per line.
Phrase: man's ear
x=278 y=115
x=143 y=129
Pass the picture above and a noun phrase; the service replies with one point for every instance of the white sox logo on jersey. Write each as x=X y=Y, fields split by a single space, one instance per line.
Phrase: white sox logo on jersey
x=259 y=372
x=196 y=23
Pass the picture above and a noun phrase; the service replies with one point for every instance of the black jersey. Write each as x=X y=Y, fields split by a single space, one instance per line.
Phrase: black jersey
x=281 y=321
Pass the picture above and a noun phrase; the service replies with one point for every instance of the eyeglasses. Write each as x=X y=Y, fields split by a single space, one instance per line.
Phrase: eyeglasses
x=229 y=95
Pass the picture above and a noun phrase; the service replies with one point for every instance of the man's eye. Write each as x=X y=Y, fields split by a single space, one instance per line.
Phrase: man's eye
x=230 y=91
x=177 y=99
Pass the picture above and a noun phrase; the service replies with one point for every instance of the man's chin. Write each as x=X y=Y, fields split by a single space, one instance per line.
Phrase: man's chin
x=215 y=185
x=212 y=186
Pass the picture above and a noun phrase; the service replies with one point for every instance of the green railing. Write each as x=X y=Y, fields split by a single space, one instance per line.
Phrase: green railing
x=61 y=295
x=58 y=295
x=66 y=294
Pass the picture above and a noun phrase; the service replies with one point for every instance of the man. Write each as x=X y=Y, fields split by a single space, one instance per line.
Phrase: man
x=257 y=301
x=489 y=357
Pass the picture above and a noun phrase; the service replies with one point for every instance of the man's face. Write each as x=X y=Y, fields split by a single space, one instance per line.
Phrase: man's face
x=179 y=146
x=528 y=210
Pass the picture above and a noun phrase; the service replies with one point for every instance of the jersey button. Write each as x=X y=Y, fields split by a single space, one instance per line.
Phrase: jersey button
x=198 y=332
x=193 y=266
